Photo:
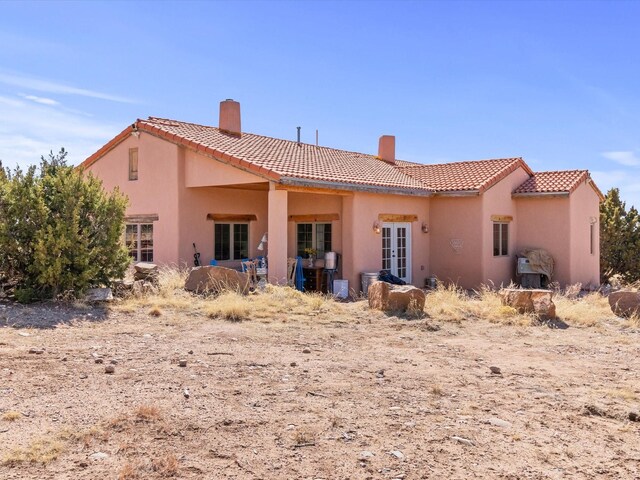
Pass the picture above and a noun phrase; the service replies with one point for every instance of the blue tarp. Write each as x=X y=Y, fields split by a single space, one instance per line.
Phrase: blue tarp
x=299 y=275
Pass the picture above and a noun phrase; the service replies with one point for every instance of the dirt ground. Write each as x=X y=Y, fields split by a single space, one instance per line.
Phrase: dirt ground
x=358 y=396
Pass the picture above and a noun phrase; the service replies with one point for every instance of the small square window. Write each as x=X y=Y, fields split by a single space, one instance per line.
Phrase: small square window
x=133 y=164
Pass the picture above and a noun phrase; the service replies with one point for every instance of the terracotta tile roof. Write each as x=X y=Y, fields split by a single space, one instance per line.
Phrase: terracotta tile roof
x=277 y=159
x=561 y=181
x=463 y=176
x=287 y=161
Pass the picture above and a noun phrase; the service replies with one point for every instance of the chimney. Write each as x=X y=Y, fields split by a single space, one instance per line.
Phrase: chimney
x=387 y=148
x=230 y=117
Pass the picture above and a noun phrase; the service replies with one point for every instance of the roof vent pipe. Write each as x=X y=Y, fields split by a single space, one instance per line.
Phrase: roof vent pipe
x=387 y=148
x=298 y=134
x=230 y=117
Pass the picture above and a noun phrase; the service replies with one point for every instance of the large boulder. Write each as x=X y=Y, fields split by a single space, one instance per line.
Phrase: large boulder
x=395 y=298
x=625 y=303
x=539 y=302
x=208 y=279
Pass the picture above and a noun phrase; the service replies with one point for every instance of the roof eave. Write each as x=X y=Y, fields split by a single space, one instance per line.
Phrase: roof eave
x=354 y=187
x=540 y=194
x=458 y=193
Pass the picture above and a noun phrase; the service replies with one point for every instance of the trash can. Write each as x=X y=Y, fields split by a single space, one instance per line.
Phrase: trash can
x=367 y=278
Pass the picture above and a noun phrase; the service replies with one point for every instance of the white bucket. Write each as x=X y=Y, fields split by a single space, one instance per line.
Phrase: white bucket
x=341 y=288
x=330 y=260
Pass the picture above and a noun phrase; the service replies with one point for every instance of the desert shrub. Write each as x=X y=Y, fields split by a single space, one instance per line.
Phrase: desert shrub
x=59 y=230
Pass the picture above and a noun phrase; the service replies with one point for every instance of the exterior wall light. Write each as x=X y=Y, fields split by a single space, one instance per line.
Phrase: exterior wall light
x=425 y=228
x=376 y=227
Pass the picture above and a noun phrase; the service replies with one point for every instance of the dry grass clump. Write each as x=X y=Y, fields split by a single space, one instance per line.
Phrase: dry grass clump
x=623 y=393
x=229 y=306
x=11 y=416
x=450 y=303
x=42 y=450
x=587 y=311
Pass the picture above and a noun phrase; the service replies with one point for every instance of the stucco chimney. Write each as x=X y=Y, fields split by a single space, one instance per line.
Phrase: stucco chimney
x=230 y=117
x=387 y=148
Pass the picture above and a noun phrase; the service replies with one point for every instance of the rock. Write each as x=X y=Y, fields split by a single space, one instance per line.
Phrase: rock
x=210 y=279
x=98 y=456
x=366 y=455
x=99 y=360
x=109 y=369
x=539 y=302
x=625 y=303
x=146 y=268
x=497 y=422
x=36 y=351
x=495 y=370
x=182 y=363
x=634 y=417
x=306 y=350
x=186 y=393
x=397 y=453
x=464 y=441
x=395 y=298
x=113 y=361
x=293 y=364
x=380 y=374
x=95 y=295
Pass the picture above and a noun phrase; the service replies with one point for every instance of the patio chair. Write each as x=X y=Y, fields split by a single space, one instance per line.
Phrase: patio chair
x=292 y=263
x=249 y=267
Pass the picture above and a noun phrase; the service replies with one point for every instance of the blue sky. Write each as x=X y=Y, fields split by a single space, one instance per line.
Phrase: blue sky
x=553 y=82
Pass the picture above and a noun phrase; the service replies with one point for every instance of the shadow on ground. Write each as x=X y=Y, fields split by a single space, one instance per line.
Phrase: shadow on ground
x=48 y=314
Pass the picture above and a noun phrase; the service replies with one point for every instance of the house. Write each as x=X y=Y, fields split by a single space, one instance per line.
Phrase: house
x=223 y=189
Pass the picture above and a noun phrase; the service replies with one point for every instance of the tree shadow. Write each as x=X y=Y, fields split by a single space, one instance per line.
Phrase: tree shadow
x=47 y=315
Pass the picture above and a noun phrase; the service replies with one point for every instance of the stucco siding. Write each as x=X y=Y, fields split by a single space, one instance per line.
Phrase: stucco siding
x=155 y=191
x=584 y=209
x=456 y=242
x=500 y=270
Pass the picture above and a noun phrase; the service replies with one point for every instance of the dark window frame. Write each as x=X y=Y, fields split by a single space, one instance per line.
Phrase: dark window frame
x=228 y=241
x=500 y=239
x=317 y=235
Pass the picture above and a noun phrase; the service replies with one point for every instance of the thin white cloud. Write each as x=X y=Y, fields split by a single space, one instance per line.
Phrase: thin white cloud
x=48 y=86
x=41 y=100
x=29 y=130
x=624 y=180
x=626 y=158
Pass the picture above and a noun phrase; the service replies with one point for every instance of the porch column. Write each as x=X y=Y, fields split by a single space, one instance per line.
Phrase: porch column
x=277 y=228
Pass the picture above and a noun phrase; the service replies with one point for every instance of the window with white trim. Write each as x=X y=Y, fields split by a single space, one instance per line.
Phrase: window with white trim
x=138 y=238
x=315 y=236
x=500 y=239
x=231 y=241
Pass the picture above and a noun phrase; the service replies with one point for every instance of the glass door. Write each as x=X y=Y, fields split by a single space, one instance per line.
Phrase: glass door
x=396 y=249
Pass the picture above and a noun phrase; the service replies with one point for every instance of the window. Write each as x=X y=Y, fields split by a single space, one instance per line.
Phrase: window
x=138 y=238
x=500 y=239
x=313 y=235
x=231 y=241
x=592 y=238
x=133 y=164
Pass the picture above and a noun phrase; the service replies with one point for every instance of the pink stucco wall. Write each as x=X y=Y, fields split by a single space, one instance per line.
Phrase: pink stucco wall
x=497 y=201
x=155 y=191
x=584 y=208
x=362 y=248
x=456 y=221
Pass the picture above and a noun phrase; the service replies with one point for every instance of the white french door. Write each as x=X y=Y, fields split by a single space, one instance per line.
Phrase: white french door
x=396 y=249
